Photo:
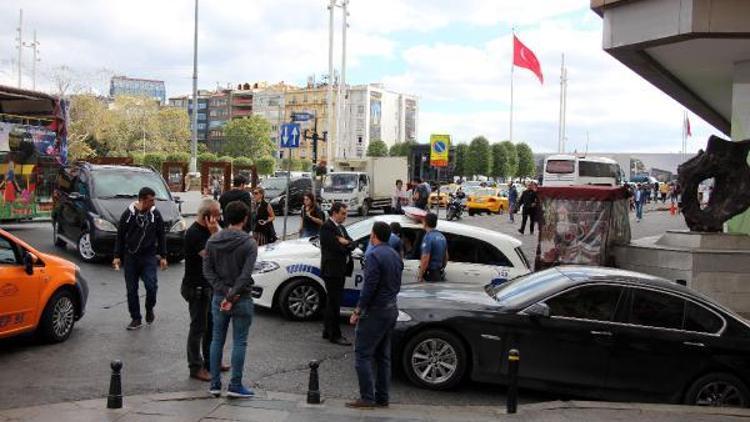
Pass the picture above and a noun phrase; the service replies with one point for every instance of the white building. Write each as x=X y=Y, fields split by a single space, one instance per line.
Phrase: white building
x=270 y=105
x=373 y=112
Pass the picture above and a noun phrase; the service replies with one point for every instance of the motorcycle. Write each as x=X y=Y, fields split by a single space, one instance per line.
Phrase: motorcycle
x=455 y=207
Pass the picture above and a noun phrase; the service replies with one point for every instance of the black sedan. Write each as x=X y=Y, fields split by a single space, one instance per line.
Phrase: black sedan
x=584 y=331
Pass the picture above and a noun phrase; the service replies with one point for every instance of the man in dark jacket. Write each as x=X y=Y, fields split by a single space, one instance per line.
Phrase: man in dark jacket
x=228 y=267
x=335 y=265
x=530 y=203
x=197 y=291
x=139 y=245
x=237 y=193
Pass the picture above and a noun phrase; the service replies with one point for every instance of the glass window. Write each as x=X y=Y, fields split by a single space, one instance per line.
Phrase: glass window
x=7 y=252
x=561 y=166
x=656 y=309
x=461 y=248
x=593 y=169
x=528 y=288
x=112 y=183
x=594 y=302
x=700 y=319
x=490 y=255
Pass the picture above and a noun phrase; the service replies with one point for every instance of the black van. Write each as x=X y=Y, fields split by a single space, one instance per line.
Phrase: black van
x=89 y=200
x=275 y=188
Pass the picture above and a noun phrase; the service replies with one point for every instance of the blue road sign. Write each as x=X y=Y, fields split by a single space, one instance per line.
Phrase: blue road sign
x=302 y=116
x=289 y=135
x=439 y=146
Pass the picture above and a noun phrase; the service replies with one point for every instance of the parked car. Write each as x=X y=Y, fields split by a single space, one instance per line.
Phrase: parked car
x=589 y=331
x=275 y=188
x=445 y=192
x=486 y=200
x=287 y=274
x=38 y=292
x=90 y=199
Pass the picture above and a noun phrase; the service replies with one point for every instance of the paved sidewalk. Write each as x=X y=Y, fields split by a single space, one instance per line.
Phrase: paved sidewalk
x=283 y=407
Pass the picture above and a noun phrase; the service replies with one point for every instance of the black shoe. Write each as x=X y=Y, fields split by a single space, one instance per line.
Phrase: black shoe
x=381 y=404
x=520 y=231
x=341 y=341
x=150 y=317
x=360 y=404
x=134 y=325
x=326 y=336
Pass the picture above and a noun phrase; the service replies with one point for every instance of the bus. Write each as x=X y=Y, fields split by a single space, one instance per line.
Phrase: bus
x=571 y=170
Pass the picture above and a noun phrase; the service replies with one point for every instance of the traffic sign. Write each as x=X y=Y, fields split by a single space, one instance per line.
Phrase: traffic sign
x=439 y=148
x=302 y=116
x=289 y=135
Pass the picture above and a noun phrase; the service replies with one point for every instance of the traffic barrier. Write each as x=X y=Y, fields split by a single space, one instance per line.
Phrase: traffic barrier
x=313 y=389
x=114 y=399
x=512 y=399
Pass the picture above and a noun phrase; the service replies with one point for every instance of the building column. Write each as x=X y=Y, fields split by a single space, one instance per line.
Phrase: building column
x=741 y=130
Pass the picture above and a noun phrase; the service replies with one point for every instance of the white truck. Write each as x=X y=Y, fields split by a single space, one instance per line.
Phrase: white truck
x=363 y=184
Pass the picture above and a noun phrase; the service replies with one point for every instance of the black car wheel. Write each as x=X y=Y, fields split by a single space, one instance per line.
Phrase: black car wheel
x=435 y=359
x=86 y=248
x=471 y=213
x=718 y=390
x=301 y=300
x=55 y=235
x=58 y=317
x=364 y=210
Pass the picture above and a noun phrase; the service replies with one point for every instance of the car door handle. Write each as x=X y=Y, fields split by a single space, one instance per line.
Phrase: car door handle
x=693 y=343
x=601 y=333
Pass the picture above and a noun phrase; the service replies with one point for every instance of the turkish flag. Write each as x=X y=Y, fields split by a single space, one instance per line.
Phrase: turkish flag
x=524 y=57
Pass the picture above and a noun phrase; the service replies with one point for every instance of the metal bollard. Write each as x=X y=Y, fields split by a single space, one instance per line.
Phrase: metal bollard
x=114 y=399
x=513 y=361
x=313 y=389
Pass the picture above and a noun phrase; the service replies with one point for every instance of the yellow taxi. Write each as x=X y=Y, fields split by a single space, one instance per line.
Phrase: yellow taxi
x=38 y=292
x=445 y=193
x=489 y=200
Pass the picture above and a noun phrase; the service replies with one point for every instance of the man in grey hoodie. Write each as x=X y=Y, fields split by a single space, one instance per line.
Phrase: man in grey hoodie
x=228 y=266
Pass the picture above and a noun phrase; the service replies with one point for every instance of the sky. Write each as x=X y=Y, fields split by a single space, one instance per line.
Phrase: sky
x=454 y=55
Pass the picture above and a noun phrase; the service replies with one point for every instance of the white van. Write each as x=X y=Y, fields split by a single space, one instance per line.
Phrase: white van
x=570 y=170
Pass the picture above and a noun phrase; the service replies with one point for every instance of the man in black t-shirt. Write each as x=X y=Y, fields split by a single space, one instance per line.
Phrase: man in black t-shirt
x=237 y=193
x=197 y=291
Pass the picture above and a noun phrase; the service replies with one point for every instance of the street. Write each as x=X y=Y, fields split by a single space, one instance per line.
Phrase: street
x=154 y=357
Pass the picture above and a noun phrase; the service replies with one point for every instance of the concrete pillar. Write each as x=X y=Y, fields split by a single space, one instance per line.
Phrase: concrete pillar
x=741 y=130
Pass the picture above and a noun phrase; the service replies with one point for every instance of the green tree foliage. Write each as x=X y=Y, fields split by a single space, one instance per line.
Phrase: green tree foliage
x=242 y=161
x=265 y=165
x=512 y=155
x=302 y=164
x=182 y=157
x=137 y=158
x=478 y=157
x=248 y=137
x=207 y=156
x=377 y=148
x=526 y=166
x=225 y=159
x=459 y=158
x=401 y=149
x=499 y=161
x=154 y=159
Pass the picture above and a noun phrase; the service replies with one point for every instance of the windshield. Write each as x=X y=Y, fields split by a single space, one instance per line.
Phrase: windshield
x=484 y=192
x=126 y=184
x=340 y=183
x=274 y=183
x=447 y=189
x=523 y=289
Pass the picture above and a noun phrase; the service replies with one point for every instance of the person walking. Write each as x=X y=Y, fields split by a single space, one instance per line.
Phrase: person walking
x=421 y=194
x=197 y=291
x=263 y=229
x=434 y=251
x=312 y=216
x=139 y=246
x=228 y=267
x=530 y=202
x=237 y=193
x=398 y=198
x=641 y=196
x=335 y=264
x=215 y=187
x=512 y=201
x=374 y=318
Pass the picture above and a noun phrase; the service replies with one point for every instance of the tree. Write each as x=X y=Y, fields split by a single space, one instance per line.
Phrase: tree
x=242 y=161
x=377 y=148
x=459 y=160
x=183 y=157
x=265 y=165
x=154 y=159
x=207 y=156
x=248 y=137
x=478 y=157
x=401 y=149
x=499 y=161
x=512 y=155
x=225 y=159
x=526 y=166
x=302 y=164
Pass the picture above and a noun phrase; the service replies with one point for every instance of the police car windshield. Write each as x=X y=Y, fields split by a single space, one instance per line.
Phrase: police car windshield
x=125 y=183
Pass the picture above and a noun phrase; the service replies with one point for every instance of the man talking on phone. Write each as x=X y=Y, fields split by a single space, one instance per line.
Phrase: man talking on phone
x=228 y=267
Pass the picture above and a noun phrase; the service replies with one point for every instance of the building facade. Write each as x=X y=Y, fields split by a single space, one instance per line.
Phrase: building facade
x=186 y=102
x=122 y=85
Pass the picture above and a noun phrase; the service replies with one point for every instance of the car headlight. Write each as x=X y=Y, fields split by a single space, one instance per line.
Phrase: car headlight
x=104 y=225
x=262 y=267
x=403 y=317
x=179 y=226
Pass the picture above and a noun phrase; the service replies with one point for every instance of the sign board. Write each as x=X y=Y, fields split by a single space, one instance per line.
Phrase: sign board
x=289 y=135
x=439 y=147
x=302 y=116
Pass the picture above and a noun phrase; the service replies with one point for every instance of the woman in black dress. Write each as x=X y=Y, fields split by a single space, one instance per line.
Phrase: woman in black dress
x=312 y=217
x=263 y=230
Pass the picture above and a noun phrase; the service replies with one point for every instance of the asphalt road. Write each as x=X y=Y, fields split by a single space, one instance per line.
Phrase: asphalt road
x=154 y=357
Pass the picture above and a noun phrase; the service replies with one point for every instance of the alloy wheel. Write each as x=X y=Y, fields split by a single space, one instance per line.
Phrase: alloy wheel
x=720 y=394
x=63 y=314
x=303 y=301
x=434 y=360
x=85 y=248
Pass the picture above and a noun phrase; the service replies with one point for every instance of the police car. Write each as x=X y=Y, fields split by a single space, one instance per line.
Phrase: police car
x=287 y=274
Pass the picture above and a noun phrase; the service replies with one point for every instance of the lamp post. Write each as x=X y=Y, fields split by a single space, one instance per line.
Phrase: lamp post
x=194 y=141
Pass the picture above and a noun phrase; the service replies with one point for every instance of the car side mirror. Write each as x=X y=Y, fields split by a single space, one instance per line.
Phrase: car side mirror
x=539 y=309
x=29 y=259
x=75 y=196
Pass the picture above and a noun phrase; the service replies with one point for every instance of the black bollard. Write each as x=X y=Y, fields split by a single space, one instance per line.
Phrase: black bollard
x=114 y=399
x=513 y=361
x=313 y=389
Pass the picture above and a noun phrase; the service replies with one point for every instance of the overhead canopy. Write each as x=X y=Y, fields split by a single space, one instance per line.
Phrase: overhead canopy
x=26 y=103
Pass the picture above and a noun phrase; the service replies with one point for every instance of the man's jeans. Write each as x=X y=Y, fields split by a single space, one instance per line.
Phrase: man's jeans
x=372 y=345
x=201 y=326
x=241 y=317
x=143 y=268
x=639 y=210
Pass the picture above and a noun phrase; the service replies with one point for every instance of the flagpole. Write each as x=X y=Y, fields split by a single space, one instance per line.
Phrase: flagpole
x=560 y=123
x=684 y=134
x=512 y=65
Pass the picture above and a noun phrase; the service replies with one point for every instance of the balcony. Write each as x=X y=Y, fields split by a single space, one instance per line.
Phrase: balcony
x=242 y=102
x=241 y=113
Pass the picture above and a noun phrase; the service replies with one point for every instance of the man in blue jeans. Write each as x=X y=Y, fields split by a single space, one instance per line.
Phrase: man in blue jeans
x=375 y=317
x=228 y=267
